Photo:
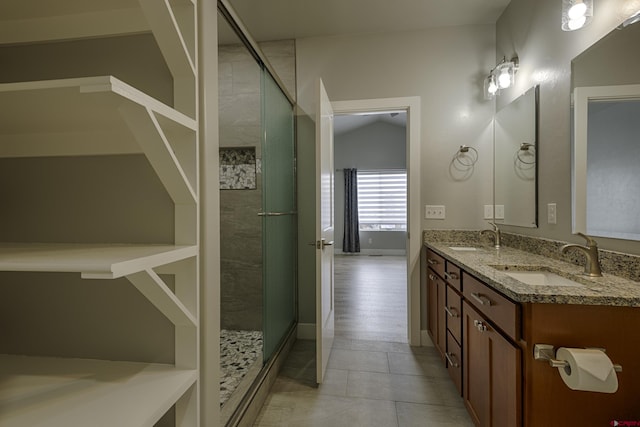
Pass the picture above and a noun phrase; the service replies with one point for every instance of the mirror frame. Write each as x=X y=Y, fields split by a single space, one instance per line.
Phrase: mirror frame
x=581 y=98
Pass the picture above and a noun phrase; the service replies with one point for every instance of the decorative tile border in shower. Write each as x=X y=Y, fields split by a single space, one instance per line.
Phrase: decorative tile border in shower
x=238 y=168
x=239 y=352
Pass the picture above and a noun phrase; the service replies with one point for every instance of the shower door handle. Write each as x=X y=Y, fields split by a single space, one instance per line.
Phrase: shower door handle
x=277 y=213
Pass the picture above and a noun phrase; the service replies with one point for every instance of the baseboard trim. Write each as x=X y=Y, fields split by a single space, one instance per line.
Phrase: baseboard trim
x=425 y=339
x=306 y=331
x=367 y=252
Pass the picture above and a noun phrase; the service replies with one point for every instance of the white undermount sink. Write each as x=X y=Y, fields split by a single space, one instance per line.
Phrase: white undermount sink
x=536 y=275
x=541 y=278
x=462 y=248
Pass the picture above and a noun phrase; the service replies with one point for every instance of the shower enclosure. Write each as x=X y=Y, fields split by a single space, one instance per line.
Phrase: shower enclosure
x=257 y=218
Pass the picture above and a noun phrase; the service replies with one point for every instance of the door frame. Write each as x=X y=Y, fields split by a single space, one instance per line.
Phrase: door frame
x=414 y=235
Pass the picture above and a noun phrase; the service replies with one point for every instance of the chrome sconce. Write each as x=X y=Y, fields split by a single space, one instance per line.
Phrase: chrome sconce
x=501 y=77
x=576 y=14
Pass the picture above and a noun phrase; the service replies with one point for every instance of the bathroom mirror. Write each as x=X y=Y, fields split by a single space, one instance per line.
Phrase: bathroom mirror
x=515 y=167
x=606 y=148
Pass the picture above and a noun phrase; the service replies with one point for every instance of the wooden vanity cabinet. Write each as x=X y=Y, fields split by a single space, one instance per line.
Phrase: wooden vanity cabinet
x=492 y=373
x=436 y=323
x=444 y=305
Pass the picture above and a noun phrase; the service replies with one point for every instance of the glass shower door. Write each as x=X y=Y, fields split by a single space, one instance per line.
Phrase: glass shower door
x=278 y=215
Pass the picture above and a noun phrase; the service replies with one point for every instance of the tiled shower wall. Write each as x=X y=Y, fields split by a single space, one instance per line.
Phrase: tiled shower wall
x=240 y=225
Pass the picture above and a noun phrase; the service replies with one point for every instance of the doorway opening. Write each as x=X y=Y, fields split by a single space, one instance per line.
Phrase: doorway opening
x=399 y=115
x=370 y=211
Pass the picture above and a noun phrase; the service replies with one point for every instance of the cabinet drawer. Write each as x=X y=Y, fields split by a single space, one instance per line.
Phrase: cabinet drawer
x=504 y=313
x=454 y=362
x=453 y=310
x=453 y=275
x=435 y=262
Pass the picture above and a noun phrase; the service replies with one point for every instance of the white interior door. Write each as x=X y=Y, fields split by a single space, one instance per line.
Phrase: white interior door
x=324 y=231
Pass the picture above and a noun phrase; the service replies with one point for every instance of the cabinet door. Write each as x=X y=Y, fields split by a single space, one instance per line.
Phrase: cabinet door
x=436 y=324
x=453 y=314
x=492 y=373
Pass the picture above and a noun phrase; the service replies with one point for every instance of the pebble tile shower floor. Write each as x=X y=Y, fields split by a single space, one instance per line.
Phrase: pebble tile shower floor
x=239 y=351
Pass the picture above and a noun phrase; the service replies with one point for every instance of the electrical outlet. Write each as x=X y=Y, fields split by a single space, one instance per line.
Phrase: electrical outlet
x=499 y=211
x=434 y=212
x=551 y=213
x=488 y=211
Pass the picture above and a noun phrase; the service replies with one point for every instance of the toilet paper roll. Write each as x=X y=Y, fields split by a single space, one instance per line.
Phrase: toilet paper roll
x=589 y=370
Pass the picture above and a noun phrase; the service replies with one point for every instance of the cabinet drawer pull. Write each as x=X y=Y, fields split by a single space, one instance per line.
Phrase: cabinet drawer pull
x=451 y=276
x=479 y=325
x=451 y=359
x=432 y=277
x=432 y=261
x=449 y=312
x=481 y=299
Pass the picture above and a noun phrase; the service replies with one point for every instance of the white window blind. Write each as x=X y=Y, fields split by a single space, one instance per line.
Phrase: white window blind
x=382 y=200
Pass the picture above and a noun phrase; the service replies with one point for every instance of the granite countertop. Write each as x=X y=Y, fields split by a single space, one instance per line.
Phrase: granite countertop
x=607 y=290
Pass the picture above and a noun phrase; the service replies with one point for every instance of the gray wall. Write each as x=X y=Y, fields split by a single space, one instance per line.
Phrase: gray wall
x=240 y=226
x=84 y=199
x=379 y=145
x=531 y=29
x=445 y=67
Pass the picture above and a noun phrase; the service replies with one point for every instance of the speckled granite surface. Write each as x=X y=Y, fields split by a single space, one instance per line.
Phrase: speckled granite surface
x=531 y=253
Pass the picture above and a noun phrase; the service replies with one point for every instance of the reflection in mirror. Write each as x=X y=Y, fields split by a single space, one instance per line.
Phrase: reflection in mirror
x=606 y=114
x=515 y=145
x=607 y=125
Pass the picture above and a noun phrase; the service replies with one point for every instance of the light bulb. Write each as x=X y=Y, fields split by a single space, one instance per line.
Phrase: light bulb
x=493 y=87
x=576 y=23
x=504 y=79
x=576 y=11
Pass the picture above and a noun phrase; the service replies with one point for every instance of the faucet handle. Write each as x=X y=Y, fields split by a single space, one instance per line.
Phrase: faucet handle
x=590 y=240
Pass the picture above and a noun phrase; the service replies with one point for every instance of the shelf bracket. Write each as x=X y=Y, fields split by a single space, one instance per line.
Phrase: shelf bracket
x=159 y=294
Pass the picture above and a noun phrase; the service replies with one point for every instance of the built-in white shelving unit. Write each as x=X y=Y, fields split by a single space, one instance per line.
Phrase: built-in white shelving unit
x=103 y=115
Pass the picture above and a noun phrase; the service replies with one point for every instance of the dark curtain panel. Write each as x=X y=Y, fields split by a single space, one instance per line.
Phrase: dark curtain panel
x=351 y=239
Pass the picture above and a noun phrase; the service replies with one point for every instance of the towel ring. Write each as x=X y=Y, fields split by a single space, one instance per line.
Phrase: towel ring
x=524 y=150
x=466 y=156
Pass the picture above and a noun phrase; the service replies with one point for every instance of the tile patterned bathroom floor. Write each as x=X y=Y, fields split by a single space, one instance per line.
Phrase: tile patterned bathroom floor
x=368 y=383
x=373 y=378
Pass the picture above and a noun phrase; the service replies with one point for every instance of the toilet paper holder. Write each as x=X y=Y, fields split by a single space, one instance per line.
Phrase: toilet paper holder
x=546 y=353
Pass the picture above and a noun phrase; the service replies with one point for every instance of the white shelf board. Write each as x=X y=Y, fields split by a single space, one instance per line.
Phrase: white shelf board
x=41 y=20
x=58 y=392
x=90 y=260
x=78 y=116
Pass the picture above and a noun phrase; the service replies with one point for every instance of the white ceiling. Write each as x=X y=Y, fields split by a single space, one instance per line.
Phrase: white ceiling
x=290 y=19
x=287 y=19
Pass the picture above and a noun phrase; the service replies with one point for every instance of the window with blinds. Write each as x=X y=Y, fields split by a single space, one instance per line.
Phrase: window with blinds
x=382 y=200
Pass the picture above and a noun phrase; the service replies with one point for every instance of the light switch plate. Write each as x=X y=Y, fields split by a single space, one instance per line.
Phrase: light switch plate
x=488 y=211
x=434 y=212
x=551 y=213
x=499 y=211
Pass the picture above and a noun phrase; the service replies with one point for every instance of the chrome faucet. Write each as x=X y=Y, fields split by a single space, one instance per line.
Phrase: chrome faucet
x=592 y=266
x=496 y=234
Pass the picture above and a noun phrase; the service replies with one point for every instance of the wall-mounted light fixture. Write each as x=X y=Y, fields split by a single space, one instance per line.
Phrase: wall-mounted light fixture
x=501 y=77
x=634 y=18
x=576 y=14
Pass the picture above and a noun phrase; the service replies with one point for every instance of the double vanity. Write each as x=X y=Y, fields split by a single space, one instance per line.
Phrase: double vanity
x=487 y=310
